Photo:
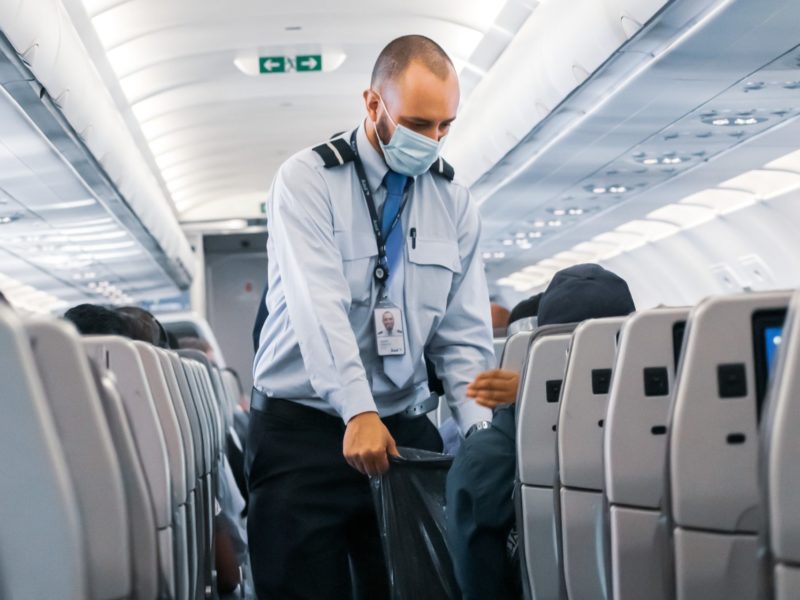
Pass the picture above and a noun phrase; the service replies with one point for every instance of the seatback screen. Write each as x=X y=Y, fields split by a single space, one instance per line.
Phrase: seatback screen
x=767 y=333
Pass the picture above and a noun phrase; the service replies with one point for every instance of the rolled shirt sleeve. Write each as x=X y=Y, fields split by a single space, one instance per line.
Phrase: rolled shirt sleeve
x=462 y=345
x=317 y=294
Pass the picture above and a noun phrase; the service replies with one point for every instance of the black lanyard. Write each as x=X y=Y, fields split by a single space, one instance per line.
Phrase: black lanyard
x=381 y=272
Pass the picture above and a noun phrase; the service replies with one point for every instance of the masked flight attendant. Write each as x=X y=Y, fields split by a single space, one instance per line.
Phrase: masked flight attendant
x=368 y=223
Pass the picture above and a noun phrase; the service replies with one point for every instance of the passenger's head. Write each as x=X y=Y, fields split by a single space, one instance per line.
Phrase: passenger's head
x=500 y=316
x=190 y=342
x=414 y=84
x=524 y=315
x=584 y=292
x=144 y=326
x=92 y=319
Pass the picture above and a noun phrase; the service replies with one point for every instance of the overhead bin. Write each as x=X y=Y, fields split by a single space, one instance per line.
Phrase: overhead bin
x=555 y=52
x=70 y=105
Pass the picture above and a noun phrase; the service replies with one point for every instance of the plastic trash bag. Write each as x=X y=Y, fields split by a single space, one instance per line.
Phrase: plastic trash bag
x=410 y=504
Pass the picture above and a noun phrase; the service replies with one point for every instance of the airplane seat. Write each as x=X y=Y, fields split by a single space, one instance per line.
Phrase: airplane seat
x=201 y=438
x=143 y=537
x=191 y=371
x=713 y=448
x=537 y=415
x=84 y=432
x=635 y=451
x=515 y=351
x=120 y=357
x=39 y=515
x=192 y=449
x=168 y=418
x=579 y=489
x=780 y=461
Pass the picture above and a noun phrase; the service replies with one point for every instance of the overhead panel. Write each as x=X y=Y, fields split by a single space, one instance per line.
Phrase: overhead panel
x=701 y=93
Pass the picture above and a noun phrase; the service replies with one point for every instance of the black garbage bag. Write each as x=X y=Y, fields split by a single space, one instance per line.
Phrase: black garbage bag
x=410 y=503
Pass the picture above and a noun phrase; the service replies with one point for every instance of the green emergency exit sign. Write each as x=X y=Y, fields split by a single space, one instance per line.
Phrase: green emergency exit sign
x=263 y=208
x=308 y=62
x=302 y=63
x=272 y=64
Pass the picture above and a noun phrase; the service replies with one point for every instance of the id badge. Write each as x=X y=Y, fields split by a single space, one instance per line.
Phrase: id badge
x=389 y=334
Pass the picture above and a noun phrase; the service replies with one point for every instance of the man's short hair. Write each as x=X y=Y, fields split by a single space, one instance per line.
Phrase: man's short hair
x=401 y=52
x=98 y=320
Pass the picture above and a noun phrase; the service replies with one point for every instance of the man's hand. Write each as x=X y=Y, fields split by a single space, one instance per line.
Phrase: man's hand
x=494 y=388
x=367 y=444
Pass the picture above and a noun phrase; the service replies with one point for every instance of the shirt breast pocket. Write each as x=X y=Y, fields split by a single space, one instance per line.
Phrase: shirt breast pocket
x=433 y=264
x=358 y=251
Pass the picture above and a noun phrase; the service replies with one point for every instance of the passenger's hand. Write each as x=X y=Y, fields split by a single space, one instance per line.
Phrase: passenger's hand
x=368 y=444
x=494 y=388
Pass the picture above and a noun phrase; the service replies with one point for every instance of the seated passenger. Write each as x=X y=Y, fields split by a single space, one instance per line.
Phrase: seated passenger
x=480 y=485
x=93 y=319
x=145 y=326
x=190 y=342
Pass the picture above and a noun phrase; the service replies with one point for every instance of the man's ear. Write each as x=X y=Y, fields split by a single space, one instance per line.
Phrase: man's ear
x=371 y=103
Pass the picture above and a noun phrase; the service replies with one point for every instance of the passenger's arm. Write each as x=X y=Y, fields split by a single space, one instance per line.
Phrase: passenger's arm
x=462 y=345
x=318 y=301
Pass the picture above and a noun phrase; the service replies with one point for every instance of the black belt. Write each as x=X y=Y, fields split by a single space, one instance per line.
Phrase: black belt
x=288 y=408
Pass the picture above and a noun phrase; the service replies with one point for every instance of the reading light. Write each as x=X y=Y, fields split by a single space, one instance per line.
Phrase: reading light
x=617 y=189
x=508 y=242
x=535 y=234
x=554 y=223
x=598 y=190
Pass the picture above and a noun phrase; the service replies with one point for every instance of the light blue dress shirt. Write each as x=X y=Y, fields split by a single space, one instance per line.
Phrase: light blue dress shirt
x=318 y=346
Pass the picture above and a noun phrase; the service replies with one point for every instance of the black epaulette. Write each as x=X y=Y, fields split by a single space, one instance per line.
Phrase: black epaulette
x=443 y=168
x=335 y=152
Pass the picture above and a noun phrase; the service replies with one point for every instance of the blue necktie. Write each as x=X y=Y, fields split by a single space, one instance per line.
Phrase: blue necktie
x=395 y=187
x=397 y=368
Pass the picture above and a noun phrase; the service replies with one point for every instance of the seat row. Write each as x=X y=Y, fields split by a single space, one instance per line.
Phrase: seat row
x=112 y=450
x=654 y=460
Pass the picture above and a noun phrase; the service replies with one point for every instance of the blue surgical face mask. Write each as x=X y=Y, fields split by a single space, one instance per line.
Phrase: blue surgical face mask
x=408 y=152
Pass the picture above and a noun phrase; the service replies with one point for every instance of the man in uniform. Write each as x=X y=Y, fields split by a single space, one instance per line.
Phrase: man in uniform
x=368 y=222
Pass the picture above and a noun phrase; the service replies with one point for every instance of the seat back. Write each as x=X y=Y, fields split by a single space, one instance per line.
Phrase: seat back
x=537 y=416
x=713 y=449
x=635 y=450
x=515 y=351
x=39 y=515
x=580 y=429
x=120 y=357
x=143 y=531
x=89 y=451
x=780 y=459
x=168 y=419
x=211 y=393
